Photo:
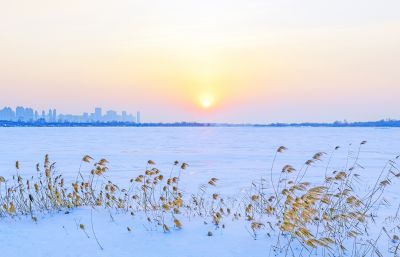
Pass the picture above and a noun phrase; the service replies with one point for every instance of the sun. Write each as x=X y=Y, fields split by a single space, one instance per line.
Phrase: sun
x=206 y=103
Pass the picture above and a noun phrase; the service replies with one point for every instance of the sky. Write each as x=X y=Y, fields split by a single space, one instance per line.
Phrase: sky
x=242 y=61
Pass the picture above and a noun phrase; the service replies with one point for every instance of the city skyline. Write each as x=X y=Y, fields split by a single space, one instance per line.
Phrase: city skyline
x=28 y=114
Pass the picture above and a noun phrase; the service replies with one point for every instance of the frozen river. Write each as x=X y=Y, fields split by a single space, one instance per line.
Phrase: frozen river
x=234 y=155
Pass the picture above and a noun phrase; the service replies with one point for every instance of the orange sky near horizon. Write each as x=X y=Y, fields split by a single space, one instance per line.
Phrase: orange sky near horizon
x=211 y=61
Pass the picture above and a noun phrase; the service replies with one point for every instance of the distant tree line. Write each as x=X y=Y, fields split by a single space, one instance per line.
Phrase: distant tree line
x=43 y=123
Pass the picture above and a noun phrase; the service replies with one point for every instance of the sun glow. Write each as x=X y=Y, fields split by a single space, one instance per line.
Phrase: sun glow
x=206 y=103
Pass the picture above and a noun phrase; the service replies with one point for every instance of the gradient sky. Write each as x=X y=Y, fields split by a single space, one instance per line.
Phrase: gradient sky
x=253 y=61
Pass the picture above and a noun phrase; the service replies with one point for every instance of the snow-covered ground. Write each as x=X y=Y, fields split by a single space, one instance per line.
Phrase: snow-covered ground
x=59 y=235
x=236 y=156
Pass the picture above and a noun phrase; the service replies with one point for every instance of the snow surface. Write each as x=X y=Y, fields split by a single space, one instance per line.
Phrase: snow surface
x=59 y=235
x=234 y=155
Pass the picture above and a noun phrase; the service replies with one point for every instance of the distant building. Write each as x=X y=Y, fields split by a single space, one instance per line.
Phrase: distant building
x=29 y=114
x=85 y=117
x=7 y=114
x=50 y=116
x=98 y=114
x=20 y=113
x=54 y=119
x=138 y=117
x=111 y=116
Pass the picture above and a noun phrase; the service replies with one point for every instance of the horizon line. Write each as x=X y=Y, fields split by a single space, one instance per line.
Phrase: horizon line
x=44 y=123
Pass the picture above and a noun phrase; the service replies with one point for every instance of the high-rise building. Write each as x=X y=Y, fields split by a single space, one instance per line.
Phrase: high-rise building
x=85 y=117
x=111 y=116
x=20 y=113
x=7 y=114
x=138 y=117
x=54 y=119
x=98 y=114
x=29 y=115
x=50 y=116
x=36 y=115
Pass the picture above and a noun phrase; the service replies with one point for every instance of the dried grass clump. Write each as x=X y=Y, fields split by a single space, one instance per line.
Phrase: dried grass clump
x=323 y=218
x=158 y=196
